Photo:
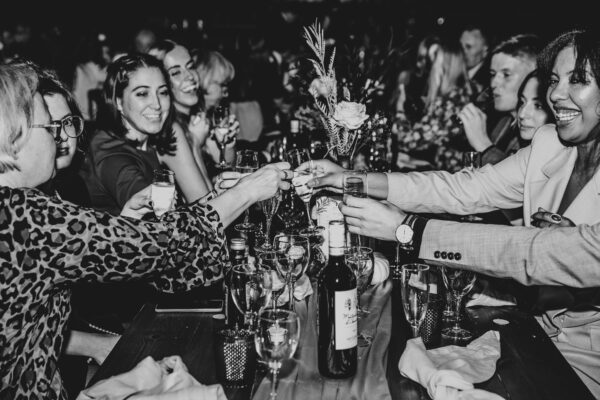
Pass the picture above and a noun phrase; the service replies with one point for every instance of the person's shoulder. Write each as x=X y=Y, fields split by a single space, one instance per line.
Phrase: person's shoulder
x=546 y=134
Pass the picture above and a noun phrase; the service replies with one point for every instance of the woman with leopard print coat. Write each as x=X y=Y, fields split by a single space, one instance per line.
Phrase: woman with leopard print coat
x=47 y=244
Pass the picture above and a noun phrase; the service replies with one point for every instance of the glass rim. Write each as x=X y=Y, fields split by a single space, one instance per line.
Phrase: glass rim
x=415 y=267
x=290 y=315
x=163 y=171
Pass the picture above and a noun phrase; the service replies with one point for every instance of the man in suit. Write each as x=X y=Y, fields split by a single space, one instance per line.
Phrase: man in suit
x=511 y=61
x=474 y=42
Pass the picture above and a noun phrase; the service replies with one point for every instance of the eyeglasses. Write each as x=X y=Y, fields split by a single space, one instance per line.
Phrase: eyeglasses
x=71 y=125
x=52 y=128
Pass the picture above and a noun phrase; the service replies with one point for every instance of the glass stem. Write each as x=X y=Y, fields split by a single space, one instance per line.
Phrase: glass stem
x=246 y=216
x=310 y=221
x=274 y=382
x=415 y=330
x=222 y=154
x=457 y=311
x=268 y=233
x=292 y=287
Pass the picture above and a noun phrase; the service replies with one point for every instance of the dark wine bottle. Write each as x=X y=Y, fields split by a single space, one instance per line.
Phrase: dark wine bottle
x=337 y=305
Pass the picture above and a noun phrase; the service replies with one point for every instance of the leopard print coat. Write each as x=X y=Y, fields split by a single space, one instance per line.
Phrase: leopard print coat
x=47 y=244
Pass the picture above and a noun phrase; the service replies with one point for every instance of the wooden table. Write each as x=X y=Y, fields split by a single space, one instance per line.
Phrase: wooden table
x=530 y=366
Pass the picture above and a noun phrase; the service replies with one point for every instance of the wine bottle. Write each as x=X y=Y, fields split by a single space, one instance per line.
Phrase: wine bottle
x=337 y=304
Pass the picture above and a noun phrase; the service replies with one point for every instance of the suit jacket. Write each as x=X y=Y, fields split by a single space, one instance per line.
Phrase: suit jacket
x=535 y=176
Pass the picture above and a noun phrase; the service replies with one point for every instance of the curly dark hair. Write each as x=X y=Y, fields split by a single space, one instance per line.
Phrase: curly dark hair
x=117 y=79
x=586 y=44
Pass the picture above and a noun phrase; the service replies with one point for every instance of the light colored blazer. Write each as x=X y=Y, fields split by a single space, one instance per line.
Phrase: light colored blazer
x=535 y=176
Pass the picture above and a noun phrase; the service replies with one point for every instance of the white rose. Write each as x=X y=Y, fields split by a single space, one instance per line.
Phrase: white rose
x=350 y=115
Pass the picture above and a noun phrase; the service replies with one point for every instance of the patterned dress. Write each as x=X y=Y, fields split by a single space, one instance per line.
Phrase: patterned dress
x=438 y=133
x=47 y=244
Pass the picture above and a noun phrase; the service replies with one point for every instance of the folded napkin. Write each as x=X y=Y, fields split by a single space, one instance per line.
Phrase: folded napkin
x=448 y=373
x=490 y=297
x=167 y=379
x=381 y=269
x=302 y=288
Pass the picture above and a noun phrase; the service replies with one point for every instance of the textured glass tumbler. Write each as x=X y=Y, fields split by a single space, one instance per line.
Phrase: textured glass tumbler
x=235 y=357
x=431 y=328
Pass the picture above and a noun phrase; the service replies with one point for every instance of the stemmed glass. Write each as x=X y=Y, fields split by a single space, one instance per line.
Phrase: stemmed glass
x=246 y=161
x=415 y=294
x=276 y=340
x=471 y=161
x=293 y=256
x=220 y=129
x=269 y=208
x=354 y=183
x=459 y=282
x=296 y=157
x=361 y=262
x=269 y=259
x=250 y=288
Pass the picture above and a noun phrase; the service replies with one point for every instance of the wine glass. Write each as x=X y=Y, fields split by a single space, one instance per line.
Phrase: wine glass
x=162 y=191
x=354 y=183
x=291 y=210
x=459 y=282
x=269 y=208
x=220 y=129
x=294 y=255
x=268 y=259
x=415 y=294
x=471 y=161
x=246 y=161
x=276 y=339
x=361 y=262
x=250 y=288
x=296 y=157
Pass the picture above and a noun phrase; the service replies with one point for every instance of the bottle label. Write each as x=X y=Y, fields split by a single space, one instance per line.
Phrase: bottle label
x=346 y=322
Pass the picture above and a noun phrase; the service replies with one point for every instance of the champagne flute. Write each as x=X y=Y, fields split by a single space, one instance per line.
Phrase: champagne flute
x=220 y=129
x=276 y=340
x=246 y=161
x=459 y=282
x=415 y=294
x=471 y=161
x=361 y=262
x=162 y=191
x=294 y=255
x=296 y=157
x=354 y=183
x=250 y=288
x=269 y=208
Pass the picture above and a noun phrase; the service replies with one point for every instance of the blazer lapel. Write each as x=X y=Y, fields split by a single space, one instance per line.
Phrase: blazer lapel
x=585 y=208
x=548 y=191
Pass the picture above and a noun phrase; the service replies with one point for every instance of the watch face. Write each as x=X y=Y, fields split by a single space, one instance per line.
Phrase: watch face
x=404 y=234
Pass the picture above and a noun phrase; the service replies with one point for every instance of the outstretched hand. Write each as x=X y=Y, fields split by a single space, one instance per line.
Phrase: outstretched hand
x=369 y=217
x=328 y=174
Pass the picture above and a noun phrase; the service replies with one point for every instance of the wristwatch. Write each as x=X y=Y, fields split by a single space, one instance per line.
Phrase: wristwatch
x=405 y=232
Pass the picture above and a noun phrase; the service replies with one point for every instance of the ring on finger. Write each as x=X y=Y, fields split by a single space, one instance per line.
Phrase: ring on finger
x=556 y=218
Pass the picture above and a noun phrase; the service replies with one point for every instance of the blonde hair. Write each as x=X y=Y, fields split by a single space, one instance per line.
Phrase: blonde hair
x=449 y=71
x=18 y=86
x=213 y=67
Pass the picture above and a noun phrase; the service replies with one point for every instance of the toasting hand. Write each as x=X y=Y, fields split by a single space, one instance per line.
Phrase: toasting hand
x=368 y=217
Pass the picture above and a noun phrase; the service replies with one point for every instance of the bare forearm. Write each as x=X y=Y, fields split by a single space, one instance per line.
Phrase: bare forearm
x=232 y=203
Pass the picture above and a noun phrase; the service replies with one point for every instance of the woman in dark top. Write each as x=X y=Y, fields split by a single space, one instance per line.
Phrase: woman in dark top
x=48 y=244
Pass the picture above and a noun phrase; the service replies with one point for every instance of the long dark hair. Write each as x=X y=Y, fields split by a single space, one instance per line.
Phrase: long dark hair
x=587 y=49
x=117 y=79
x=541 y=92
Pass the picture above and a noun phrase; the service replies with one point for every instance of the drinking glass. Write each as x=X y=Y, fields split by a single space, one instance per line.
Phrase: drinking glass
x=276 y=339
x=269 y=208
x=415 y=294
x=294 y=255
x=291 y=210
x=220 y=129
x=162 y=191
x=246 y=161
x=471 y=160
x=268 y=259
x=361 y=262
x=354 y=183
x=301 y=178
x=459 y=282
x=250 y=288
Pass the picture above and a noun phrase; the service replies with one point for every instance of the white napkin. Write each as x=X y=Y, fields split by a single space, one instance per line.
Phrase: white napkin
x=448 y=373
x=167 y=379
x=381 y=269
x=491 y=298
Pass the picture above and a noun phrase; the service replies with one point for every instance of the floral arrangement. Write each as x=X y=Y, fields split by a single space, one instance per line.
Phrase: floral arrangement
x=341 y=119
